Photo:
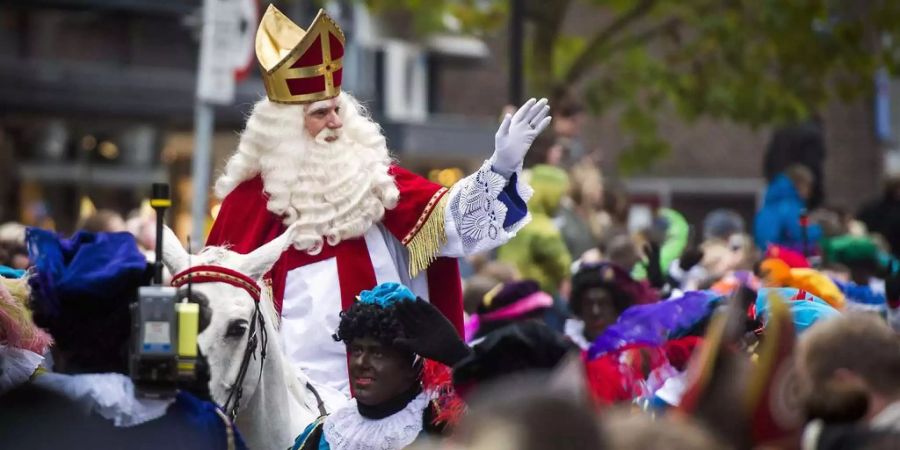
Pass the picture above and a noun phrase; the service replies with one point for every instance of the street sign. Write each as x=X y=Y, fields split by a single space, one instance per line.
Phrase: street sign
x=226 y=47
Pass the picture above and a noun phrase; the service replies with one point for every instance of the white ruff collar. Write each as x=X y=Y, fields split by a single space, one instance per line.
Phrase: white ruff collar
x=16 y=366
x=346 y=429
x=109 y=394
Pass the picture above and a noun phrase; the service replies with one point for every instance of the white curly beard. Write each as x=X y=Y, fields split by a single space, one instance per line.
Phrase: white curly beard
x=332 y=191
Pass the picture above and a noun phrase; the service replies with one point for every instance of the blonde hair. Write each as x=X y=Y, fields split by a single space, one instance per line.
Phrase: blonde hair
x=16 y=326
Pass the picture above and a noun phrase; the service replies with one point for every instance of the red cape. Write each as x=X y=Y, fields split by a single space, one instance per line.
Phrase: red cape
x=244 y=223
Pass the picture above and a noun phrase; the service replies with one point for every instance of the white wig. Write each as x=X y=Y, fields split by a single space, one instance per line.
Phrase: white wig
x=334 y=191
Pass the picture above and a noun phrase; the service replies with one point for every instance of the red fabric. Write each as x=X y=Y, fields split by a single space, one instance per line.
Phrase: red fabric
x=605 y=382
x=444 y=287
x=217 y=274
x=337 y=77
x=300 y=86
x=337 y=48
x=415 y=194
x=312 y=56
x=437 y=380
x=245 y=224
x=445 y=290
x=790 y=257
x=356 y=274
x=679 y=351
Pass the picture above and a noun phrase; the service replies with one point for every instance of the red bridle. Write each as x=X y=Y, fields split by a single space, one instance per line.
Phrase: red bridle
x=217 y=274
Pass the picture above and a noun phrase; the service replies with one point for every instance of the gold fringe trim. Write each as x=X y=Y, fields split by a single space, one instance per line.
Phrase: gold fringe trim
x=426 y=239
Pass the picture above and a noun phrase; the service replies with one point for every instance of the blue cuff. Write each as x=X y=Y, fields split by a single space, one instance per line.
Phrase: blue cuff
x=516 y=208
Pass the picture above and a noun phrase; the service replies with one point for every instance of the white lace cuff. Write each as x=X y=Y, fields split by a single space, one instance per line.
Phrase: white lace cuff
x=476 y=213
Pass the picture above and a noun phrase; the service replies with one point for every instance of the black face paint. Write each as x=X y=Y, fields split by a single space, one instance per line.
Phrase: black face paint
x=598 y=311
x=378 y=372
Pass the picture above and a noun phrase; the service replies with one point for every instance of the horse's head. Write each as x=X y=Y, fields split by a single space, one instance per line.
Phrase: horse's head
x=228 y=310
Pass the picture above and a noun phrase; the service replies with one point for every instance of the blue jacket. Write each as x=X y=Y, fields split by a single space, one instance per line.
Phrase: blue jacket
x=778 y=222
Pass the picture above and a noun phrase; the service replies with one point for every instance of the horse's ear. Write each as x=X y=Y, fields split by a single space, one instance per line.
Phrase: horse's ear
x=174 y=256
x=258 y=262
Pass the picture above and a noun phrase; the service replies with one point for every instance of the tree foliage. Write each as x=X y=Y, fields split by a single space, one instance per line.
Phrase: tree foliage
x=757 y=62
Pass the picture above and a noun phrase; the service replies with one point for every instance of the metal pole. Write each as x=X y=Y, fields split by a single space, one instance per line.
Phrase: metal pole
x=160 y=201
x=516 y=38
x=204 y=119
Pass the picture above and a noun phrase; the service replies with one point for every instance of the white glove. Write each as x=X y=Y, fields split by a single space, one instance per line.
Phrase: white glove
x=516 y=134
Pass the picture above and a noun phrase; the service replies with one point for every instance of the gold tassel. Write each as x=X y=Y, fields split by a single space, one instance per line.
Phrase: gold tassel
x=427 y=242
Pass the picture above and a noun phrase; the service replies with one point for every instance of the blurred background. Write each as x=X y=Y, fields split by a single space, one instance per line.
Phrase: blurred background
x=692 y=105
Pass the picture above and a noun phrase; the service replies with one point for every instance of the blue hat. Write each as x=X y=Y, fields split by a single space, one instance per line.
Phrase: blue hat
x=386 y=294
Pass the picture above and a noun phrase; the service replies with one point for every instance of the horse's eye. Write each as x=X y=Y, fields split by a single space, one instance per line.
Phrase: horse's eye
x=237 y=328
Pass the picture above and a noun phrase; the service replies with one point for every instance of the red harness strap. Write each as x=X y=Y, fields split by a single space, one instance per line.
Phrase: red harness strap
x=217 y=274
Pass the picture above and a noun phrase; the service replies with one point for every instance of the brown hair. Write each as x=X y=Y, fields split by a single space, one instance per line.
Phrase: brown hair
x=636 y=431
x=103 y=220
x=859 y=342
x=800 y=174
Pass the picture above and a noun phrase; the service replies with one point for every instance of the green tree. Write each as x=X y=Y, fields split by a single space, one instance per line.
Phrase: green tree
x=756 y=62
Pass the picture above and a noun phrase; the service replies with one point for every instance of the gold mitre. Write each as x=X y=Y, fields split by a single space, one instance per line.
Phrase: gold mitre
x=300 y=66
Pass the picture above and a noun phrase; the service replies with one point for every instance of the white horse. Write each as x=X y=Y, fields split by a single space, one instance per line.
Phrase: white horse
x=275 y=401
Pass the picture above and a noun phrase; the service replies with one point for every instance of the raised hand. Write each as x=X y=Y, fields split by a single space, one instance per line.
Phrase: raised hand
x=517 y=133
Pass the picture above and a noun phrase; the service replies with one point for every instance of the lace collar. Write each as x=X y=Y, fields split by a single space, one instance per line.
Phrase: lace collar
x=347 y=429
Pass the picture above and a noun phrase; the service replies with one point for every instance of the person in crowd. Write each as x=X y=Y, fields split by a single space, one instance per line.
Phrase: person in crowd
x=526 y=413
x=617 y=204
x=567 y=127
x=105 y=221
x=81 y=292
x=621 y=250
x=600 y=293
x=511 y=302
x=391 y=408
x=142 y=224
x=581 y=219
x=311 y=157
x=22 y=343
x=779 y=220
x=487 y=274
x=474 y=290
x=636 y=431
x=667 y=239
x=882 y=216
x=12 y=232
x=849 y=371
x=14 y=255
x=722 y=223
x=799 y=144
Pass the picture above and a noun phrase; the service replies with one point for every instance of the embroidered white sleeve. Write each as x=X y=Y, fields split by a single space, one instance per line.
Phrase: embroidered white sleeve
x=473 y=220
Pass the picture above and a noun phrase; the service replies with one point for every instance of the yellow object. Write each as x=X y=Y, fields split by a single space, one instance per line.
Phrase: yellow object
x=491 y=294
x=425 y=240
x=776 y=273
x=300 y=66
x=188 y=328
x=86 y=209
x=161 y=203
